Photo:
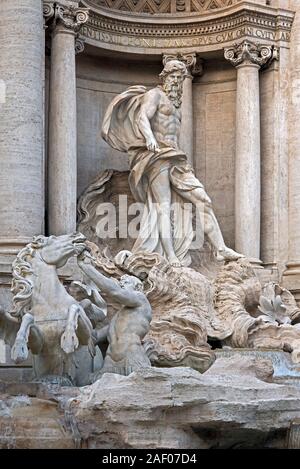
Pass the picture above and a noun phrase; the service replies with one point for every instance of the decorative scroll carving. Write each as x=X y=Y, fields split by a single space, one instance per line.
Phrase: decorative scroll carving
x=247 y=53
x=79 y=45
x=193 y=63
x=71 y=17
x=163 y=6
x=48 y=10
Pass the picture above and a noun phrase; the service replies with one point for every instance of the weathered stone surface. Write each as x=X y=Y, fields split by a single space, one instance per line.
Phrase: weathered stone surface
x=228 y=406
x=31 y=424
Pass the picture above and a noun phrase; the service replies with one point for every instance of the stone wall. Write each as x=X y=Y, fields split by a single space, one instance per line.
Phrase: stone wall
x=98 y=81
x=214 y=142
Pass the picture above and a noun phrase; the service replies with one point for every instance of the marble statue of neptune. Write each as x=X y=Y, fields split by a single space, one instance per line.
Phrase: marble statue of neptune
x=146 y=125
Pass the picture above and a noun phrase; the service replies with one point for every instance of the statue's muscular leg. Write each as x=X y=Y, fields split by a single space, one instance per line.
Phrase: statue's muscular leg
x=161 y=191
x=200 y=199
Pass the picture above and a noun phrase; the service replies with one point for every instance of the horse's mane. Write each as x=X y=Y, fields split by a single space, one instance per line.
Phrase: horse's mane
x=22 y=286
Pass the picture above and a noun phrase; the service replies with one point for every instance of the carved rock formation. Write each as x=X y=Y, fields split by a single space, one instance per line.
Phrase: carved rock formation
x=228 y=406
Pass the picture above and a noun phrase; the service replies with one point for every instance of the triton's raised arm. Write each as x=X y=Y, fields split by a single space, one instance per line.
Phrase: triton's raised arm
x=128 y=298
x=147 y=111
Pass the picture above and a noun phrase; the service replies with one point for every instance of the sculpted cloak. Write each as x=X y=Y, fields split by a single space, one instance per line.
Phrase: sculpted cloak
x=121 y=131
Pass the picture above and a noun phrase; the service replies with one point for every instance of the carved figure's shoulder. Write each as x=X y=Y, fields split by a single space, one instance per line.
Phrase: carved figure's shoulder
x=154 y=94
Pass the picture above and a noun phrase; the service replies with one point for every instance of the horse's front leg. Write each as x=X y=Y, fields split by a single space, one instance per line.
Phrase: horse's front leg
x=19 y=351
x=78 y=330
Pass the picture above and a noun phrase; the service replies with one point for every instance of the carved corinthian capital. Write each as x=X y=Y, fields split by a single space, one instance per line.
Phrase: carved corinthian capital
x=70 y=16
x=248 y=53
x=193 y=63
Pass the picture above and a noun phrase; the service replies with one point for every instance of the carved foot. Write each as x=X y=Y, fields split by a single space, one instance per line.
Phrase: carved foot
x=228 y=254
x=69 y=341
x=19 y=351
x=175 y=262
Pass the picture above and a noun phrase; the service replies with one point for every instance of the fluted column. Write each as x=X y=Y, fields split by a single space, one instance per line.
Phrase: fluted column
x=62 y=157
x=194 y=67
x=21 y=126
x=248 y=58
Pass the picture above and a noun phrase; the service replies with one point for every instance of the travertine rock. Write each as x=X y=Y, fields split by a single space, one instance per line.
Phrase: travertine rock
x=228 y=406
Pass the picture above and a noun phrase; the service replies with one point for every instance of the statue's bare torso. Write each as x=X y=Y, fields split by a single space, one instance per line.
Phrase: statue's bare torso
x=163 y=116
x=166 y=121
x=127 y=328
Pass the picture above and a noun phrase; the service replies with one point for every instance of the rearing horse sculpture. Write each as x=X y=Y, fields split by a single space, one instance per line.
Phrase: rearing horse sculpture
x=45 y=318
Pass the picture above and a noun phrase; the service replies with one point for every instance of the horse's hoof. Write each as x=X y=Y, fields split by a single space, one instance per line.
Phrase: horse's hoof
x=19 y=351
x=69 y=341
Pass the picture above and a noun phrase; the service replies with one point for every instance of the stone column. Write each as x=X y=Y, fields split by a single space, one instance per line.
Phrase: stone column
x=21 y=126
x=248 y=58
x=194 y=67
x=62 y=156
x=291 y=277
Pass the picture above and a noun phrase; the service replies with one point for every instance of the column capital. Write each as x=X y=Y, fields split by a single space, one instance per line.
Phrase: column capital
x=193 y=63
x=70 y=16
x=249 y=53
x=48 y=10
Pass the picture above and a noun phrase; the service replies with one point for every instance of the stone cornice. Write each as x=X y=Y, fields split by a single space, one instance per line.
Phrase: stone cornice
x=156 y=34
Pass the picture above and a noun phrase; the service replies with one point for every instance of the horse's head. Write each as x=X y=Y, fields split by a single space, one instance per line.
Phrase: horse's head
x=58 y=249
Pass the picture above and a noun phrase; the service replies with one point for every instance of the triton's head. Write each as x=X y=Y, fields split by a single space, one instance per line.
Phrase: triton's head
x=131 y=282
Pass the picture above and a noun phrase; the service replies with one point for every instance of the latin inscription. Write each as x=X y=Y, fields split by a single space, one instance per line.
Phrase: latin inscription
x=180 y=42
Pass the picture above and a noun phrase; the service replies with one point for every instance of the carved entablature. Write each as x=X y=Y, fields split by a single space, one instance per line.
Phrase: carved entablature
x=163 y=6
x=188 y=32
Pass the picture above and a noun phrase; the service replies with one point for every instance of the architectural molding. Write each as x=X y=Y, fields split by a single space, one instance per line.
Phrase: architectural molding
x=213 y=31
x=249 y=53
